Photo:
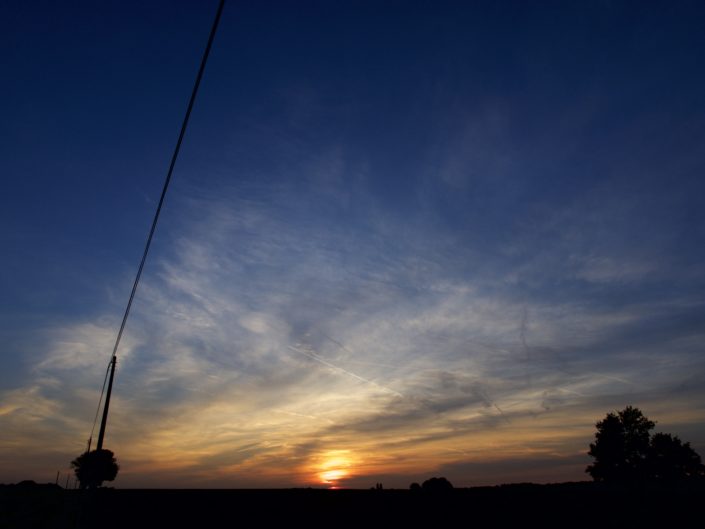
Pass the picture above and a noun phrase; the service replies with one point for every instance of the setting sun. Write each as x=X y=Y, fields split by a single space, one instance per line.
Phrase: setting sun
x=332 y=476
x=334 y=468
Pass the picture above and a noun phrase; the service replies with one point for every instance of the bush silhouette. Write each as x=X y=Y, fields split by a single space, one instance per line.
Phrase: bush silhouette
x=92 y=468
x=625 y=451
x=437 y=485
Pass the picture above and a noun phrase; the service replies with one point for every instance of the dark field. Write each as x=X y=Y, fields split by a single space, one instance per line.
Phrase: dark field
x=564 y=505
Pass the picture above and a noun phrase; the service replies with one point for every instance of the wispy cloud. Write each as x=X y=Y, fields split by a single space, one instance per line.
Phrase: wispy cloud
x=260 y=341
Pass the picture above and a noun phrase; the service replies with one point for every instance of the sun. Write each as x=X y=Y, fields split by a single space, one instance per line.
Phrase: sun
x=331 y=477
x=334 y=468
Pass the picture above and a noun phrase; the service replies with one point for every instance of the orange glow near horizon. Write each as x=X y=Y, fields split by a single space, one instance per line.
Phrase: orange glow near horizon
x=334 y=468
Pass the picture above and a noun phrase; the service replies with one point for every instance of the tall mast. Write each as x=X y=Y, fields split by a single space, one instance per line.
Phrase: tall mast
x=104 y=420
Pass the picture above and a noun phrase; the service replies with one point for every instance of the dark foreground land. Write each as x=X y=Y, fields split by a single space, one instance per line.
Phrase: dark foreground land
x=563 y=505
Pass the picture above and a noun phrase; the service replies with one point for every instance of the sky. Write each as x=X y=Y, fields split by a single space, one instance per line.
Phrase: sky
x=402 y=239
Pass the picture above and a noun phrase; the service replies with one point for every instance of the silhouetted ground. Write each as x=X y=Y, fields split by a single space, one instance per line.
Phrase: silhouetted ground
x=582 y=504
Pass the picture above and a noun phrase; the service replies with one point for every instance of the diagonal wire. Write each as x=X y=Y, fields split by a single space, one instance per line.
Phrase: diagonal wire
x=174 y=156
x=169 y=173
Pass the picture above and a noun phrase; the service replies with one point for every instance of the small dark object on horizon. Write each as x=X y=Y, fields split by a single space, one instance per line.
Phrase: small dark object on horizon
x=437 y=485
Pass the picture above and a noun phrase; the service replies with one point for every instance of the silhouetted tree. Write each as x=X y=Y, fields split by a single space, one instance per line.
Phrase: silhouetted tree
x=415 y=486
x=92 y=468
x=621 y=446
x=625 y=451
x=436 y=485
x=670 y=460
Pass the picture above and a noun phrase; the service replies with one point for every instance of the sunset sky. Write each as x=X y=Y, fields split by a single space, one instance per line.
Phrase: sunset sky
x=403 y=239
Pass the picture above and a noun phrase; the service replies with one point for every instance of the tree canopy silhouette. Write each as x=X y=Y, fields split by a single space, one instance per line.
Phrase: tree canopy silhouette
x=620 y=447
x=625 y=451
x=92 y=468
x=670 y=459
x=437 y=485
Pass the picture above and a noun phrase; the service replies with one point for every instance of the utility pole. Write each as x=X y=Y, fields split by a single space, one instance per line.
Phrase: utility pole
x=104 y=420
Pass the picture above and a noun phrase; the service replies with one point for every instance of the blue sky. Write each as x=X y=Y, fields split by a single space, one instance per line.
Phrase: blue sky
x=402 y=239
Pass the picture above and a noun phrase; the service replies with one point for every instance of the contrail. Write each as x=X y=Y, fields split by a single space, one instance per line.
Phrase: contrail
x=317 y=358
x=361 y=362
x=294 y=414
x=595 y=374
x=501 y=413
x=612 y=377
x=489 y=402
x=336 y=342
x=571 y=391
x=455 y=450
x=522 y=333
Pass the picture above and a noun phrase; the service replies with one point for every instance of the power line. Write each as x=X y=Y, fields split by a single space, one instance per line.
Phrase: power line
x=113 y=358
